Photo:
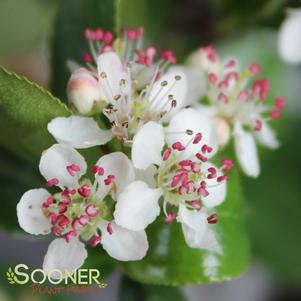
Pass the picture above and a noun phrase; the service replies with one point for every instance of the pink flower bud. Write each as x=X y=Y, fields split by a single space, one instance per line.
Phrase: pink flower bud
x=83 y=90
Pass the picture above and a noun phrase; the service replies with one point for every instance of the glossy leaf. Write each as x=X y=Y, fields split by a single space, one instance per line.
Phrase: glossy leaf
x=25 y=110
x=170 y=261
x=74 y=16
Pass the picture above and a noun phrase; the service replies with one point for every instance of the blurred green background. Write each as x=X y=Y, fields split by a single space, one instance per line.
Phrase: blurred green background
x=37 y=36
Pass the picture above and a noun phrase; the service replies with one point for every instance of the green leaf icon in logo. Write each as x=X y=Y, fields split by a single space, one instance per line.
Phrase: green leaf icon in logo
x=10 y=276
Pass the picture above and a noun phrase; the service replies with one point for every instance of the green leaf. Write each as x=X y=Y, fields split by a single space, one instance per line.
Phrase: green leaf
x=25 y=110
x=170 y=261
x=74 y=16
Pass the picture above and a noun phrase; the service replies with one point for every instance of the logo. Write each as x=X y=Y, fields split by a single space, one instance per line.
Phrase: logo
x=55 y=281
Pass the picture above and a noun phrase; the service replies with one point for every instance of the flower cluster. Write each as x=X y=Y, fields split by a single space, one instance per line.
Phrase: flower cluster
x=167 y=139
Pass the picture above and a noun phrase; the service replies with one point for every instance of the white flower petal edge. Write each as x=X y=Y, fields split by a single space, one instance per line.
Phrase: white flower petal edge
x=195 y=228
x=217 y=191
x=246 y=151
x=111 y=72
x=119 y=165
x=191 y=119
x=267 y=137
x=64 y=256
x=78 y=132
x=289 y=40
x=123 y=244
x=147 y=145
x=54 y=162
x=30 y=214
x=137 y=206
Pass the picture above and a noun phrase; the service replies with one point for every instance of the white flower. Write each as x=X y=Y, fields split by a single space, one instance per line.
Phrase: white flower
x=237 y=107
x=289 y=40
x=80 y=211
x=189 y=185
x=135 y=87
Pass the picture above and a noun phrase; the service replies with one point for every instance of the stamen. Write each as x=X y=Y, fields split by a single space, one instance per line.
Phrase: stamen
x=167 y=154
x=109 y=180
x=69 y=234
x=206 y=149
x=110 y=228
x=84 y=191
x=91 y=210
x=95 y=240
x=212 y=173
x=212 y=219
x=170 y=218
x=198 y=138
x=195 y=204
x=222 y=178
x=178 y=146
x=258 y=125
x=73 y=169
x=201 y=157
x=56 y=230
x=52 y=182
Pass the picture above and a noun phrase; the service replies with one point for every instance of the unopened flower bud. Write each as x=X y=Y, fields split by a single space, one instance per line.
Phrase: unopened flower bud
x=83 y=90
x=222 y=130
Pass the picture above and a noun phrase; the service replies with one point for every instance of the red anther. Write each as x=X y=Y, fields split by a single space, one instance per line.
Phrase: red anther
x=131 y=34
x=170 y=218
x=212 y=78
x=168 y=56
x=52 y=182
x=107 y=37
x=140 y=31
x=91 y=210
x=230 y=64
x=76 y=225
x=243 y=96
x=275 y=114
x=87 y=58
x=280 y=102
x=212 y=173
x=45 y=205
x=110 y=228
x=151 y=51
x=106 y=48
x=84 y=219
x=197 y=138
x=185 y=163
x=89 y=34
x=210 y=53
x=67 y=191
x=258 y=125
x=173 y=103
x=49 y=200
x=189 y=187
x=261 y=88
x=94 y=169
x=195 y=204
x=206 y=149
x=56 y=230
x=201 y=157
x=73 y=169
x=182 y=190
x=109 y=180
x=223 y=84
x=223 y=98
x=62 y=207
x=233 y=75
x=178 y=146
x=53 y=218
x=212 y=219
x=167 y=154
x=63 y=221
x=202 y=191
x=228 y=164
x=98 y=34
x=84 y=190
x=222 y=178
x=69 y=234
x=67 y=199
x=254 y=69
x=175 y=181
x=101 y=171
x=95 y=240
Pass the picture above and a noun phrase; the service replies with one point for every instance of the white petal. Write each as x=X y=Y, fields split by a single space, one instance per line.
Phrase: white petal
x=194 y=226
x=159 y=96
x=266 y=136
x=109 y=64
x=218 y=191
x=289 y=40
x=67 y=257
x=209 y=241
x=31 y=217
x=196 y=83
x=137 y=206
x=147 y=145
x=119 y=165
x=191 y=119
x=147 y=175
x=246 y=152
x=123 y=244
x=78 y=131
x=54 y=162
